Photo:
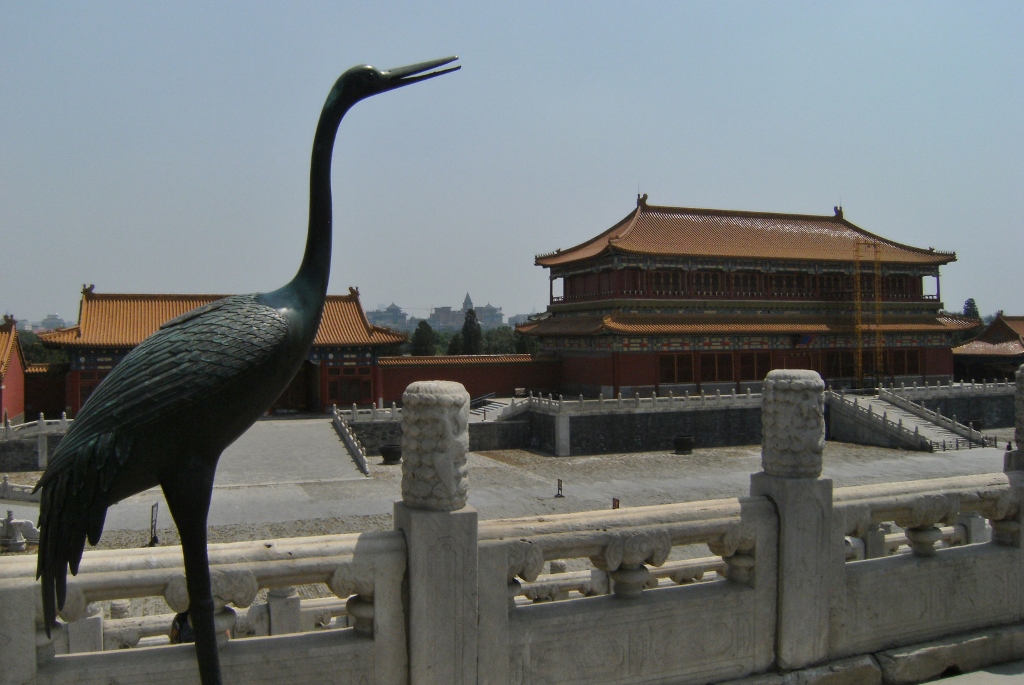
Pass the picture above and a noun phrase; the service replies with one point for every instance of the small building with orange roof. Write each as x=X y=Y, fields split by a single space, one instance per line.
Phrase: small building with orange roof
x=994 y=354
x=12 y=373
x=676 y=299
x=341 y=369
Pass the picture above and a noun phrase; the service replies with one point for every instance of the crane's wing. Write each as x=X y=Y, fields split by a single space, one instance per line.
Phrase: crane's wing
x=190 y=357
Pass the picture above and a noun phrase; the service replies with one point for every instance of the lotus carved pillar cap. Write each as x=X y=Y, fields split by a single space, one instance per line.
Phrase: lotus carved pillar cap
x=1019 y=408
x=435 y=440
x=793 y=424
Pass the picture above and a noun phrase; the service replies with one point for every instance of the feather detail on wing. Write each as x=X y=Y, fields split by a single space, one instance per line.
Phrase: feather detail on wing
x=189 y=358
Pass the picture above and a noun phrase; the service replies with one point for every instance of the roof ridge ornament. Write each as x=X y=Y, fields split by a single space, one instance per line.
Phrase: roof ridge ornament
x=838 y=209
x=641 y=200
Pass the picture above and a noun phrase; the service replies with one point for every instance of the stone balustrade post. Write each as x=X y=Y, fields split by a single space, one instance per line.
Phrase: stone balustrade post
x=284 y=607
x=441 y=535
x=19 y=630
x=1013 y=460
x=793 y=429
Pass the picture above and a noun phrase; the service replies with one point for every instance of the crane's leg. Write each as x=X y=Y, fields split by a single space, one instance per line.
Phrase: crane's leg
x=188 y=493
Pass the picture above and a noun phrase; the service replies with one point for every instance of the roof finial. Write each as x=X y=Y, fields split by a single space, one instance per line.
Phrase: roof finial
x=838 y=209
x=353 y=292
x=88 y=289
x=641 y=200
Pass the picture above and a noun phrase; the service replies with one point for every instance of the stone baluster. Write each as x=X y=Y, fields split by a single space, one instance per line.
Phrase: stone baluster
x=600 y=399
x=355 y=412
x=284 y=606
x=793 y=430
x=63 y=422
x=636 y=397
x=581 y=402
x=373 y=411
x=394 y=410
x=626 y=556
x=703 y=397
x=1013 y=460
x=441 y=535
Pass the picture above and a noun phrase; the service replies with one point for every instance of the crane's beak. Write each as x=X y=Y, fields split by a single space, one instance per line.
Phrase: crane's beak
x=403 y=76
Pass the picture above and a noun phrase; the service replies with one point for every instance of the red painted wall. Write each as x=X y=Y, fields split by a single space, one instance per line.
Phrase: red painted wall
x=479 y=379
x=45 y=392
x=12 y=395
x=588 y=370
x=938 y=361
x=635 y=369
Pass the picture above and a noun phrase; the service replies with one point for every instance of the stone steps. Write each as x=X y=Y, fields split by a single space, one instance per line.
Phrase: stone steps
x=926 y=428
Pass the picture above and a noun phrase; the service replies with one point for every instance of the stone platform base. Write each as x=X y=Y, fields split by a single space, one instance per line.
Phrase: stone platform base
x=909 y=665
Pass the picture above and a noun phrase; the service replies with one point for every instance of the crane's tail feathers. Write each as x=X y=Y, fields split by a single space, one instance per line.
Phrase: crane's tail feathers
x=72 y=508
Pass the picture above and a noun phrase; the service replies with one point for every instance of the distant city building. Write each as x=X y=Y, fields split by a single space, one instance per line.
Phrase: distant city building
x=517 y=319
x=391 y=316
x=490 y=317
x=442 y=318
x=445 y=317
x=51 y=323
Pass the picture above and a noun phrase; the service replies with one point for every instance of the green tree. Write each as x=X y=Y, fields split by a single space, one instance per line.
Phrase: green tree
x=971 y=309
x=526 y=344
x=424 y=341
x=455 y=344
x=472 y=335
x=500 y=340
x=35 y=353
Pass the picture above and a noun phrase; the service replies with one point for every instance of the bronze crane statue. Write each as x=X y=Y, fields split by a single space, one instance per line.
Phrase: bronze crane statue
x=167 y=411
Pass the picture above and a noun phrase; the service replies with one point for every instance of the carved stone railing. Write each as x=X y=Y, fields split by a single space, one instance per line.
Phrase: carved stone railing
x=668 y=403
x=365 y=570
x=627 y=543
x=352 y=444
x=919 y=507
x=16 y=491
x=31 y=429
x=928 y=391
x=374 y=413
x=935 y=417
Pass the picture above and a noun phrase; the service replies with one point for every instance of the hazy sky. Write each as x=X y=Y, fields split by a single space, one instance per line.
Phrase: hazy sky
x=164 y=147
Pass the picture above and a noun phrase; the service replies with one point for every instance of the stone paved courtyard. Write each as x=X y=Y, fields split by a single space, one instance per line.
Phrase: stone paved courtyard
x=291 y=478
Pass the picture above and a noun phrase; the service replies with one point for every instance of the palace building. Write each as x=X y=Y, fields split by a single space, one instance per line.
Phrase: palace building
x=994 y=354
x=341 y=368
x=674 y=299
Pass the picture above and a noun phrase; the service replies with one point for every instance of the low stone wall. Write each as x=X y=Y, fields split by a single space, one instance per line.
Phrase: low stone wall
x=375 y=434
x=844 y=428
x=499 y=435
x=23 y=455
x=643 y=431
x=994 y=411
x=19 y=455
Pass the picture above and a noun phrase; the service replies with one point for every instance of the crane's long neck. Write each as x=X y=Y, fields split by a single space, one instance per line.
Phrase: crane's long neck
x=310 y=283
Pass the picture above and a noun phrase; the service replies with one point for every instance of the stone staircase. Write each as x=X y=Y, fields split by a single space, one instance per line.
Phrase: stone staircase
x=489 y=410
x=890 y=417
x=925 y=428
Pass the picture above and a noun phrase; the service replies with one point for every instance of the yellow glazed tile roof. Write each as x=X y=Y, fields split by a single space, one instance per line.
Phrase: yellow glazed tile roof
x=457 y=360
x=717 y=233
x=704 y=324
x=125 y=320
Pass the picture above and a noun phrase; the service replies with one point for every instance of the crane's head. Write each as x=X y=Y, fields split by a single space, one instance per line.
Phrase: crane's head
x=364 y=81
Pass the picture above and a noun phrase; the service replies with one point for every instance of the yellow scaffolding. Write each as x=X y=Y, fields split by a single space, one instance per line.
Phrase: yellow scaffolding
x=858 y=311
